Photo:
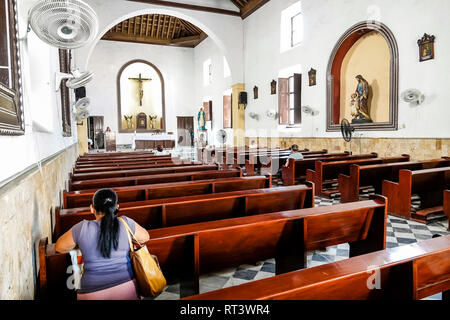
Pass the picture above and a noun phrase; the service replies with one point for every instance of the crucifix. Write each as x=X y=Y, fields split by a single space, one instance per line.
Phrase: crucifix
x=140 y=80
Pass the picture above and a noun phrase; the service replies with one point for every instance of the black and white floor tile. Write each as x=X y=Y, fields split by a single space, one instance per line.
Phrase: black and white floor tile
x=399 y=232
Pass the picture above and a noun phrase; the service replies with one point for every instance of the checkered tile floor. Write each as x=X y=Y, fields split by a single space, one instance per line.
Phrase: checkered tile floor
x=399 y=232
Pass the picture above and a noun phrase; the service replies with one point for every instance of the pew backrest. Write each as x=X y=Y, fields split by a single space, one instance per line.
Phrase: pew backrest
x=413 y=271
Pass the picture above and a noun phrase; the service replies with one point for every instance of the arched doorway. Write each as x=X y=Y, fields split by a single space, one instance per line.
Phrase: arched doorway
x=140 y=98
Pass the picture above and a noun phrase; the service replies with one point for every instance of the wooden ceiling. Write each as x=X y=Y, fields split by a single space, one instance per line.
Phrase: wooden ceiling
x=246 y=7
x=171 y=31
x=157 y=29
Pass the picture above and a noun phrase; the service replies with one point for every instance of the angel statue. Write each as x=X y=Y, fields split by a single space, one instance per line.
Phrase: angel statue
x=129 y=122
x=152 y=121
x=201 y=119
x=362 y=101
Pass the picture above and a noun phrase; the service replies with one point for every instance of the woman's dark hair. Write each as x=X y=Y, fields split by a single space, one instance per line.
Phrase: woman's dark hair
x=294 y=148
x=159 y=148
x=105 y=201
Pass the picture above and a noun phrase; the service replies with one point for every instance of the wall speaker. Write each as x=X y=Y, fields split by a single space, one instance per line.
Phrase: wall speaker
x=80 y=93
x=243 y=98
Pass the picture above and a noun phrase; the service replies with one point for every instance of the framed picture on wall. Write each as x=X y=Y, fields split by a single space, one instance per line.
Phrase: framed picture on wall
x=11 y=100
x=426 y=48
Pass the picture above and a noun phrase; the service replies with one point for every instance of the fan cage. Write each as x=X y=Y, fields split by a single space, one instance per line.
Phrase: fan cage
x=49 y=17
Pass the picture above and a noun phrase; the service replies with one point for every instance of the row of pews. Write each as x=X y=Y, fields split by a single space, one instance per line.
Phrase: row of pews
x=204 y=218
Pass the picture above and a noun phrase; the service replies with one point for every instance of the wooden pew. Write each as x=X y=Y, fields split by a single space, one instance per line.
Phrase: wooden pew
x=265 y=164
x=429 y=184
x=327 y=173
x=119 y=155
x=76 y=199
x=152 y=179
x=373 y=175
x=121 y=161
x=409 y=272
x=446 y=206
x=139 y=172
x=185 y=252
x=118 y=166
x=156 y=164
x=263 y=157
x=296 y=169
x=161 y=213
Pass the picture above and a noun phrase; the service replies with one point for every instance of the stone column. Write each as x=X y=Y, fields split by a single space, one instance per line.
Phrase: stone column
x=238 y=115
x=82 y=137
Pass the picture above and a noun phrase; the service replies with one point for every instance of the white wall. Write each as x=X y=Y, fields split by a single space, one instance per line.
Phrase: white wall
x=42 y=138
x=207 y=49
x=225 y=30
x=325 y=21
x=175 y=64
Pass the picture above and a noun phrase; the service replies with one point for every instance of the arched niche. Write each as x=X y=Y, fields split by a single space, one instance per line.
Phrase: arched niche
x=130 y=103
x=346 y=46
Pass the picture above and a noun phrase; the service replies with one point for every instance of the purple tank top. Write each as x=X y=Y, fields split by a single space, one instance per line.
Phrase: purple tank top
x=99 y=272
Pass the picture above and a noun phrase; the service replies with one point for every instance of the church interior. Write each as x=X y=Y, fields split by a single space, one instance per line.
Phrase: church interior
x=273 y=149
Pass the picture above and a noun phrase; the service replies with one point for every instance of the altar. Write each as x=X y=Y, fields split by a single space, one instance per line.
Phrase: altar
x=148 y=141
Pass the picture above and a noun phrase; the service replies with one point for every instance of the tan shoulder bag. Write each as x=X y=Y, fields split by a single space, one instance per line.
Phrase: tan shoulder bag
x=147 y=272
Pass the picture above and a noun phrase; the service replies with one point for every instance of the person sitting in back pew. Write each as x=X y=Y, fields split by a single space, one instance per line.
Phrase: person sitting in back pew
x=104 y=245
x=295 y=154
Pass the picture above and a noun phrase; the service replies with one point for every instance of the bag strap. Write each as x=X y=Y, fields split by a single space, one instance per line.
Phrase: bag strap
x=128 y=235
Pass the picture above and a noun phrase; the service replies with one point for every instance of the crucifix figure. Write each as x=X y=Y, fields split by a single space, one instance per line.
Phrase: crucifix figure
x=140 y=80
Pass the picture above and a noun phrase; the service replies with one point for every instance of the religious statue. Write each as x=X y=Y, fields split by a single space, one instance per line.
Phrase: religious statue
x=201 y=119
x=152 y=121
x=361 y=98
x=129 y=122
x=140 y=81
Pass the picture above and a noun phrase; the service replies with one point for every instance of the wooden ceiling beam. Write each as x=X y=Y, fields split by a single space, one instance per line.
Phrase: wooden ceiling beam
x=190 y=42
x=251 y=7
x=189 y=7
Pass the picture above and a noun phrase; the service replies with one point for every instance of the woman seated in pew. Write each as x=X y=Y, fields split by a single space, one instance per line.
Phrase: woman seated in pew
x=104 y=245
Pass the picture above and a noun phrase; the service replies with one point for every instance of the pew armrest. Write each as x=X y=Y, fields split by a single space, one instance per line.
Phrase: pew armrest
x=42 y=268
x=446 y=205
x=310 y=175
x=288 y=173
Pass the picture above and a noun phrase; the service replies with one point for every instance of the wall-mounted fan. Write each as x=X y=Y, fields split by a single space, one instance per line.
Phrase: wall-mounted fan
x=76 y=80
x=65 y=24
x=272 y=114
x=80 y=109
x=82 y=104
x=221 y=136
x=347 y=132
x=309 y=110
x=82 y=115
x=253 y=115
x=413 y=96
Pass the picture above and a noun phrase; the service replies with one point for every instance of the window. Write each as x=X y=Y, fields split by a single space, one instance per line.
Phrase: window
x=289 y=100
x=11 y=105
x=296 y=29
x=207 y=72
x=291 y=27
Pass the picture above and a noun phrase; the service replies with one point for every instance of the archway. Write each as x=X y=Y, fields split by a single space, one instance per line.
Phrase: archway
x=153 y=106
x=340 y=55
x=225 y=35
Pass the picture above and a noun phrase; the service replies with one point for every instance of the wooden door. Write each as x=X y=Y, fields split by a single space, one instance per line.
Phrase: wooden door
x=185 y=129
x=227 y=112
x=95 y=131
